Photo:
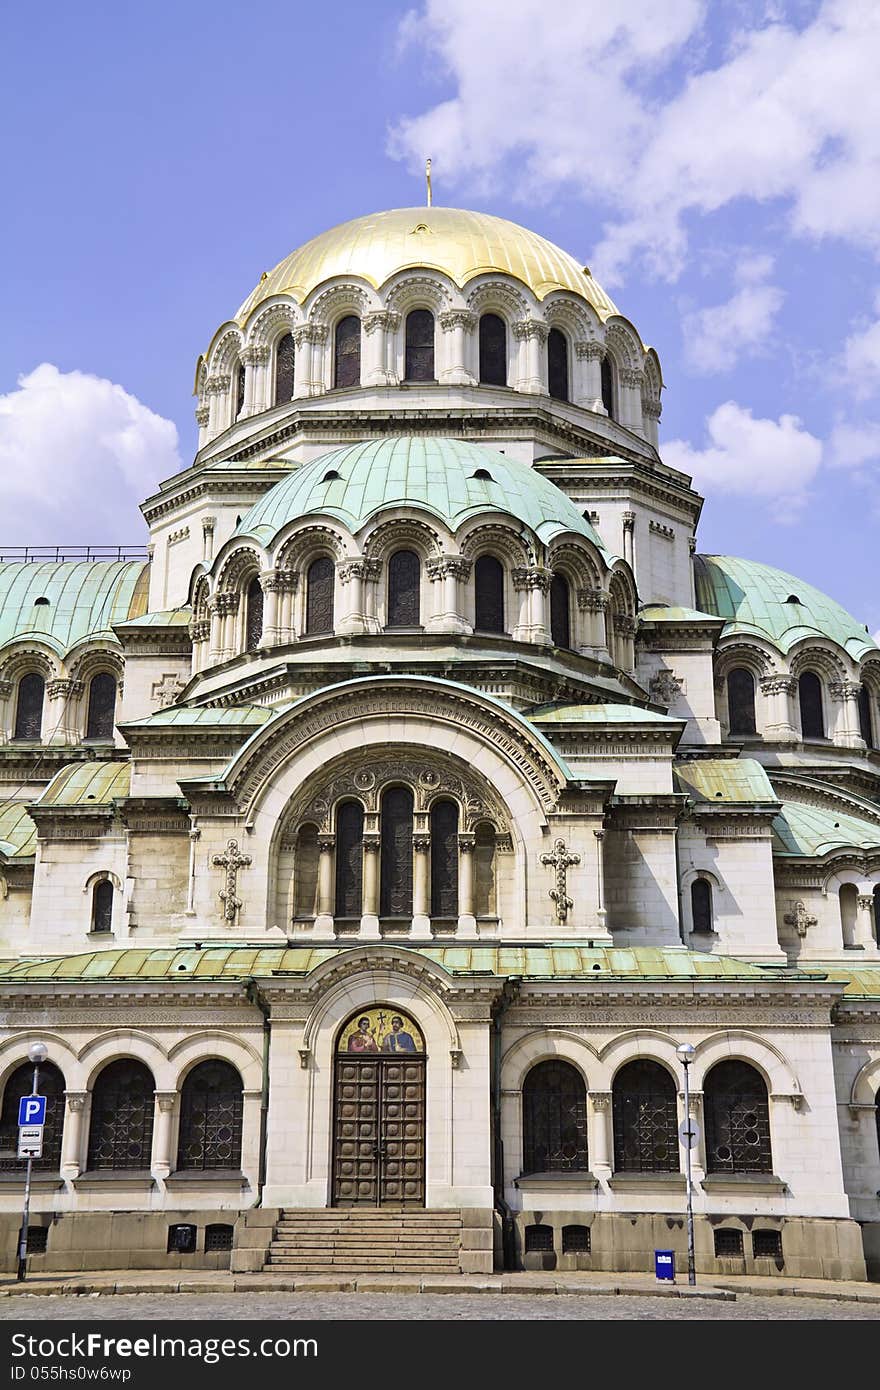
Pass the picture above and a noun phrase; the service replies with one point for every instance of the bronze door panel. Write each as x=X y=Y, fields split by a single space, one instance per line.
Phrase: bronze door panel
x=379 y=1132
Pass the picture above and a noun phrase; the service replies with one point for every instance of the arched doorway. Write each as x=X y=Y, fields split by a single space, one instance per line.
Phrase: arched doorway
x=379 y=1111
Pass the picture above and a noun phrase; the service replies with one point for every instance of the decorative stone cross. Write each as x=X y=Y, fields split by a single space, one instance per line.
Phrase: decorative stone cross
x=166 y=691
x=231 y=861
x=800 y=919
x=561 y=860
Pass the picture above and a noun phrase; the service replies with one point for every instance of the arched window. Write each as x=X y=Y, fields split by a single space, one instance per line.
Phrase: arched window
x=866 y=723
x=238 y=390
x=320 y=580
x=484 y=871
x=29 y=706
x=444 y=859
x=607 y=377
x=121 y=1128
x=21 y=1083
x=737 y=1120
x=419 y=363
x=253 y=616
x=810 y=698
x=701 y=905
x=488 y=594
x=404 y=579
x=305 y=868
x=560 y=628
x=848 y=899
x=285 y=355
x=210 y=1118
x=877 y=912
x=396 y=869
x=645 y=1119
x=557 y=365
x=349 y=860
x=741 y=701
x=554 y=1119
x=347 y=355
x=493 y=350
x=102 y=706
x=102 y=906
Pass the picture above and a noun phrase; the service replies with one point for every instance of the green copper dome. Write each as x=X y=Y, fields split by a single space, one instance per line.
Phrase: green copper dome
x=765 y=602
x=444 y=477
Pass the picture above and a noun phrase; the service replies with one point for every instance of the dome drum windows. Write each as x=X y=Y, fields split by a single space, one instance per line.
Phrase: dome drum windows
x=560 y=611
x=347 y=352
x=253 y=615
x=404 y=585
x=29 y=707
x=810 y=704
x=419 y=347
x=493 y=350
x=557 y=365
x=285 y=362
x=741 y=702
x=488 y=595
x=101 y=711
x=319 y=596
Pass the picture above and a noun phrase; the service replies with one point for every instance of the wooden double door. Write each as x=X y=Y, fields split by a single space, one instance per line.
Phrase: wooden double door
x=379 y=1132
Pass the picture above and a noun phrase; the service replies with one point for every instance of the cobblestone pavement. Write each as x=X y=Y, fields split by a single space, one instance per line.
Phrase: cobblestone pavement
x=423 y=1307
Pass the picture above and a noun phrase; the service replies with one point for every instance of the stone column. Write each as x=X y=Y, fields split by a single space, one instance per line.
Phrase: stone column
x=532 y=375
x=779 y=692
x=593 y=602
x=163 y=1159
x=378 y=329
x=467 y=922
x=539 y=607
x=847 y=730
x=352 y=574
x=457 y=326
x=522 y=630
x=630 y=387
x=629 y=526
x=588 y=376
x=599 y=1140
x=203 y=415
x=270 y=583
x=217 y=391
x=625 y=632
x=76 y=1110
x=865 y=935
x=421 y=883
x=229 y=609
x=61 y=718
x=448 y=571
x=370 y=920
x=208 y=525
x=288 y=581
x=255 y=359
x=651 y=412
x=303 y=340
x=326 y=866
x=215 y=612
x=601 y=913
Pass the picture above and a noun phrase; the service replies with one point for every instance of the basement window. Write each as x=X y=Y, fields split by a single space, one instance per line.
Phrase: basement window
x=728 y=1242
x=767 y=1244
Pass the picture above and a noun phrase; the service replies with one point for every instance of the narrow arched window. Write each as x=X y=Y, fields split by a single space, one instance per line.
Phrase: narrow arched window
x=560 y=602
x=419 y=363
x=50 y=1083
x=238 y=391
x=211 y=1107
x=320 y=581
x=444 y=859
x=737 y=1120
x=810 y=699
x=253 y=616
x=848 y=900
x=493 y=350
x=404 y=580
x=396 y=868
x=484 y=871
x=347 y=354
x=121 y=1127
x=877 y=912
x=488 y=594
x=102 y=706
x=645 y=1119
x=29 y=706
x=285 y=356
x=554 y=1119
x=557 y=365
x=102 y=906
x=349 y=860
x=866 y=722
x=741 y=701
x=305 y=868
x=701 y=905
x=607 y=378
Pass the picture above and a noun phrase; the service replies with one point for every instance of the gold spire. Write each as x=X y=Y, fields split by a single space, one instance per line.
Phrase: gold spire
x=428 y=179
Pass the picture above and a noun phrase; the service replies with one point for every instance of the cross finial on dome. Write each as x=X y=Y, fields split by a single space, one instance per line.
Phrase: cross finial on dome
x=428 y=179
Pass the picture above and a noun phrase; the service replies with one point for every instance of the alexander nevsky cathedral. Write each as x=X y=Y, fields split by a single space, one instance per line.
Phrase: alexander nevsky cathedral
x=370 y=842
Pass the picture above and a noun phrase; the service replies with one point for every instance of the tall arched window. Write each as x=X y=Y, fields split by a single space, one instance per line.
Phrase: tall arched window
x=645 y=1119
x=701 y=905
x=866 y=722
x=560 y=624
x=238 y=390
x=554 y=1119
x=607 y=377
x=320 y=581
x=810 y=699
x=557 y=365
x=493 y=350
x=347 y=354
x=741 y=701
x=349 y=860
x=419 y=363
x=737 y=1120
x=21 y=1083
x=253 y=616
x=211 y=1108
x=396 y=869
x=404 y=580
x=484 y=871
x=305 y=868
x=121 y=1128
x=285 y=355
x=29 y=706
x=488 y=594
x=102 y=906
x=848 y=899
x=877 y=912
x=102 y=706
x=444 y=859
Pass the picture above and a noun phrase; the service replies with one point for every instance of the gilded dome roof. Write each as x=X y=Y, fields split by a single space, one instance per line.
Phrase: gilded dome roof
x=461 y=244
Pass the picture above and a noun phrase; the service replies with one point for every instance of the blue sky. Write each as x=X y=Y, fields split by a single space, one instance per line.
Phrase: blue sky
x=717 y=165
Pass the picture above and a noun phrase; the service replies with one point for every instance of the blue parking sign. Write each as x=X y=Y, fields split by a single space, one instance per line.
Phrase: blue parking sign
x=32 y=1110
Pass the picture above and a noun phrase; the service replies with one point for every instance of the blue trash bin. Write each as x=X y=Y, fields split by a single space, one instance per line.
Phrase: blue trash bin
x=664 y=1264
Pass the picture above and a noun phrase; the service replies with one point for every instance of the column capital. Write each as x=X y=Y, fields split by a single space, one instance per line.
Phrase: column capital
x=76 y=1100
x=601 y=1100
x=457 y=318
x=589 y=350
x=166 y=1099
x=380 y=318
x=203 y=415
x=256 y=353
x=531 y=328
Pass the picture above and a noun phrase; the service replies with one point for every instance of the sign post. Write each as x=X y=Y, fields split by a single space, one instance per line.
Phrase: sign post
x=31 y=1119
x=688 y=1134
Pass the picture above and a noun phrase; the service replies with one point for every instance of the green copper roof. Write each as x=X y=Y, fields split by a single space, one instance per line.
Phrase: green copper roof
x=233 y=716
x=725 y=779
x=435 y=475
x=240 y=962
x=816 y=830
x=753 y=598
x=18 y=834
x=674 y=613
x=85 y=599
x=167 y=617
x=600 y=714
x=87 y=784
x=860 y=984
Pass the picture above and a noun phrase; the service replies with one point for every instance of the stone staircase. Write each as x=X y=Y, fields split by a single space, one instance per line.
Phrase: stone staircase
x=357 y=1240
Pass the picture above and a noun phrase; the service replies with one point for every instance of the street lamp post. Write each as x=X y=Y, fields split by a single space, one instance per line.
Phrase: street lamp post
x=685 y=1054
x=37 y=1053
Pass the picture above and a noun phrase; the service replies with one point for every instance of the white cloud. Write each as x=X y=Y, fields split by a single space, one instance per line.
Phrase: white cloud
x=861 y=358
x=854 y=445
x=716 y=337
x=772 y=461
x=77 y=455
x=604 y=99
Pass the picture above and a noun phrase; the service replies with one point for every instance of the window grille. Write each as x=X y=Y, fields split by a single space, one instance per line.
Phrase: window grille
x=102 y=706
x=347 y=360
x=29 y=706
x=210 y=1118
x=810 y=700
x=538 y=1238
x=444 y=859
x=728 y=1243
x=20 y=1083
x=285 y=357
x=238 y=402
x=404 y=575
x=493 y=350
x=554 y=1119
x=419 y=365
x=488 y=594
x=575 y=1240
x=645 y=1120
x=767 y=1244
x=349 y=860
x=560 y=630
x=741 y=701
x=37 y=1240
x=253 y=622
x=102 y=906
x=737 y=1120
x=218 y=1237
x=396 y=895
x=320 y=580
x=121 y=1130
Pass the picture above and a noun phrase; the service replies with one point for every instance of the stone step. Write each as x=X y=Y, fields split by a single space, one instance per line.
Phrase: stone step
x=372 y=1217
x=366 y=1267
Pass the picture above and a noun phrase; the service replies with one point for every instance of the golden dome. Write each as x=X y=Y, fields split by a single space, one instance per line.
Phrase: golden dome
x=459 y=243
